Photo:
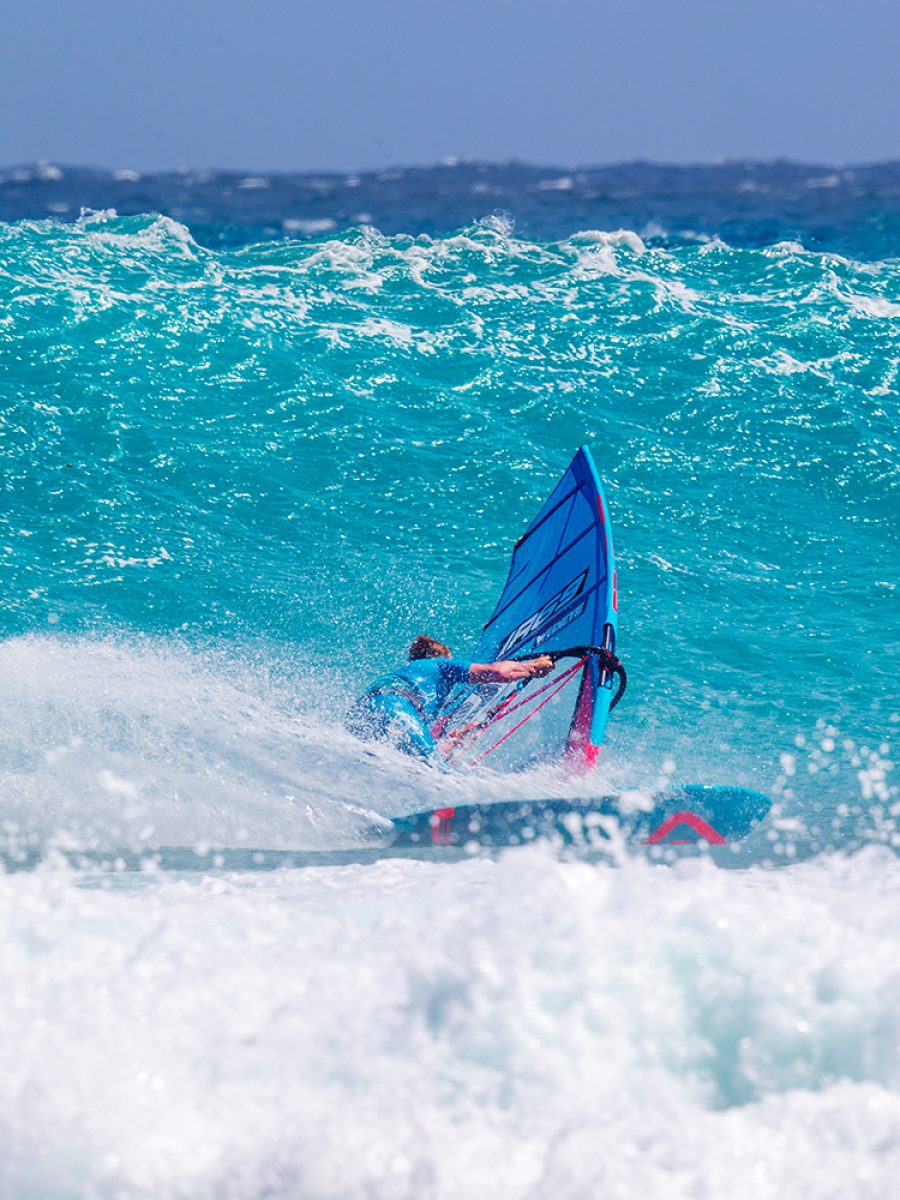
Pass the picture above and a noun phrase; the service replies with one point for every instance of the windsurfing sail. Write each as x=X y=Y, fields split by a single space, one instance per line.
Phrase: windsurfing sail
x=559 y=599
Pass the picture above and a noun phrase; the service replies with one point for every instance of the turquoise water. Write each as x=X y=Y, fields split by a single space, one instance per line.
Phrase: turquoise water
x=236 y=482
x=306 y=453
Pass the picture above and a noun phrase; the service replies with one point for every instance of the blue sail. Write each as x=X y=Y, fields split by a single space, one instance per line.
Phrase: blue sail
x=560 y=595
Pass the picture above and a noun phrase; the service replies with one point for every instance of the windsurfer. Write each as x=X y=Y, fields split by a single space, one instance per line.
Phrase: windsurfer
x=401 y=708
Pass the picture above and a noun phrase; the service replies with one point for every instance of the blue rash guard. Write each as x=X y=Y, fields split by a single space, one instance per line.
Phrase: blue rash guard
x=401 y=708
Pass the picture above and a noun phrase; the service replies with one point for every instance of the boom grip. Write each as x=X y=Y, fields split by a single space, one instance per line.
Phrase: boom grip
x=608 y=662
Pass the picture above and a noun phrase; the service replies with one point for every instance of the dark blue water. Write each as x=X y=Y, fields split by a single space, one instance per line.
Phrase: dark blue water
x=848 y=210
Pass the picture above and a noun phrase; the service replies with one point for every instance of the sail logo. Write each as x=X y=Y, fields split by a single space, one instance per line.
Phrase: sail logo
x=550 y=631
x=551 y=608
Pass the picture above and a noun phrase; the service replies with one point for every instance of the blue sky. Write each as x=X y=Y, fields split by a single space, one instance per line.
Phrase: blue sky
x=284 y=84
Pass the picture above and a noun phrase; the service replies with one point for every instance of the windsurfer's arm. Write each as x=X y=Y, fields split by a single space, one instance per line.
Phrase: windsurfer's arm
x=508 y=671
x=505 y=671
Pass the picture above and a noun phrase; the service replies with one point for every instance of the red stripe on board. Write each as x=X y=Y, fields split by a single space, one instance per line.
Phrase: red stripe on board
x=441 y=824
x=699 y=826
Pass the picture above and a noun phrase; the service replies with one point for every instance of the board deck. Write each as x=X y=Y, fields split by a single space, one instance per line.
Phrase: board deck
x=692 y=815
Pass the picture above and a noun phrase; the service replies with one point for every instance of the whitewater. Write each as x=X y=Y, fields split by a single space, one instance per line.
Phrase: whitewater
x=243 y=464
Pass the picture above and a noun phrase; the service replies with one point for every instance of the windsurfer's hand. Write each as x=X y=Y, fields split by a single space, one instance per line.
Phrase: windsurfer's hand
x=542 y=665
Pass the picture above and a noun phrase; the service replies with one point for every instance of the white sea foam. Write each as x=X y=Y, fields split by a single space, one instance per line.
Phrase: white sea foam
x=613 y=238
x=308 y=226
x=872 y=306
x=783 y=249
x=782 y=363
x=751 y=185
x=524 y=1027
x=159 y=234
x=596 y=251
x=392 y=331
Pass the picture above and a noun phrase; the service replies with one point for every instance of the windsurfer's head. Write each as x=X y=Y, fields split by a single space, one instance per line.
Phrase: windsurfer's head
x=428 y=647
